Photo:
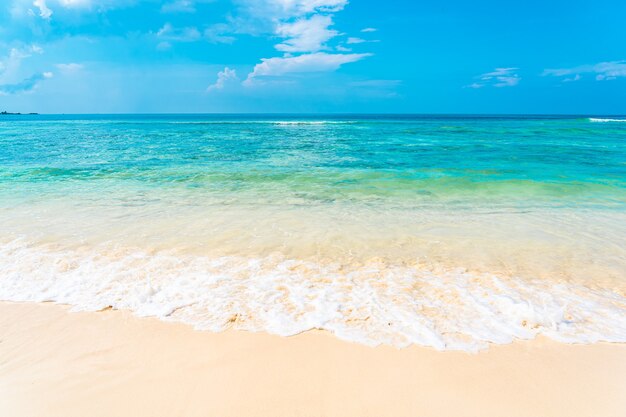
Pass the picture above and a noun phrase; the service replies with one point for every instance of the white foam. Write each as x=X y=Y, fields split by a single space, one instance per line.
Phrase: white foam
x=371 y=303
x=600 y=120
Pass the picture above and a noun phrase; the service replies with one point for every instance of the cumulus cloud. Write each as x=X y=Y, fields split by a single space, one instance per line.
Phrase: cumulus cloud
x=44 y=10
x=223 y=77
x=304 y=25
x=315 y=62
x=500 y=77
x=305 y=29
x=603 y=71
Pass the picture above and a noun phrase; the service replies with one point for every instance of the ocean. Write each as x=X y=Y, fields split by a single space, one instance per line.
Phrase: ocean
x=452 y=232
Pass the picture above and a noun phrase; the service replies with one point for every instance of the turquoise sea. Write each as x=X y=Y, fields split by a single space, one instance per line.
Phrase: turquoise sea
x=446 y=231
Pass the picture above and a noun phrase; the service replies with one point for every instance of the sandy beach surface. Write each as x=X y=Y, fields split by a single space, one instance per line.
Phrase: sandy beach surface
x=57 y=363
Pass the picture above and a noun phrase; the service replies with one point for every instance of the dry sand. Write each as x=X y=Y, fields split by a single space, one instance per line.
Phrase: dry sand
x=56 y=363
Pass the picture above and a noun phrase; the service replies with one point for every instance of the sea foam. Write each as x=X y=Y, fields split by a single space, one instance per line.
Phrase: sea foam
x=371 y=303
x=601 y=120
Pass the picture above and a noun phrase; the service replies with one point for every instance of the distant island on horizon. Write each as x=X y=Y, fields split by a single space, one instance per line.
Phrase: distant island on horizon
x=6 y=113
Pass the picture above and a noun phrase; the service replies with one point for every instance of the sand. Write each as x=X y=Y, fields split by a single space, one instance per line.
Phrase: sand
x=57 y=363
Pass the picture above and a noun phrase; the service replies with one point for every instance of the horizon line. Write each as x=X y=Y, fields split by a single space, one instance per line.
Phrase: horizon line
x=313 y=114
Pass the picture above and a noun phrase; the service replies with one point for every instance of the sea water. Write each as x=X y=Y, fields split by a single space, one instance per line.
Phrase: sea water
x=445 y=231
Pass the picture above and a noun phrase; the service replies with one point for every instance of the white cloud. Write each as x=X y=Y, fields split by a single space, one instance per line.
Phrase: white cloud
x=222 y=78
x=46 y=8
x=315 y=62
x=500 y=77
x=572 y=79
x=603 y=71
x=216 y=34
x=304 y=26
x=11 y=81
x=261 y=17
x=366 y=30
x=70 y=68
x=307 y=6
x=187 y=34
x=75 y=3
x=352 y=41
x=306 y=34
x=44 y=11
x=10 y=65
x=286 y=9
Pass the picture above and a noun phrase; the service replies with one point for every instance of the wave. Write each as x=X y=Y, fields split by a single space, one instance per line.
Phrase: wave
x=373 y=303
x=600 y=120
x=261 y=122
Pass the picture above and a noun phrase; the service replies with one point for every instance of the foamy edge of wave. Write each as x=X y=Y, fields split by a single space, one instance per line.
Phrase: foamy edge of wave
x=601 y=120
x=370 y=304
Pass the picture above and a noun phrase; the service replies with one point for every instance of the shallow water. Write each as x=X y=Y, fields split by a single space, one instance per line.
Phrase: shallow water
x=449 y=232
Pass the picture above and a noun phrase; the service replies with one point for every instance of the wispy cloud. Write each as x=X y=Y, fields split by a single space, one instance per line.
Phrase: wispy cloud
x=366 y=30
x=223 y=77
x=603 y=71
x=352 y=41
x=500 y=77
x=186 y=34
x=87 y=3
x=26 y=85
x=306 y=34
x=282 y=9
x=10 y=64
x=70 y=68
x=45 y=7
x=218 y=33
x=316 y=62
x=168 y=33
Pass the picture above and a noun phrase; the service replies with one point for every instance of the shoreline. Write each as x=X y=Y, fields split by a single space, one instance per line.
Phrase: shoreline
x=111 y=363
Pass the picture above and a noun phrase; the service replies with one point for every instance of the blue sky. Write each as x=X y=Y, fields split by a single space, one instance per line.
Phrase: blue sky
x=121 y=56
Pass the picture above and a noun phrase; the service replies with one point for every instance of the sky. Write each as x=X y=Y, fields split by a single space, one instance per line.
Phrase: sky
x=313 y=56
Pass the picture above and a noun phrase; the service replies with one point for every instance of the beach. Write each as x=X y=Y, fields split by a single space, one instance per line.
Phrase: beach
x=312 y=208
x=56 y=363
x=251 y=265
